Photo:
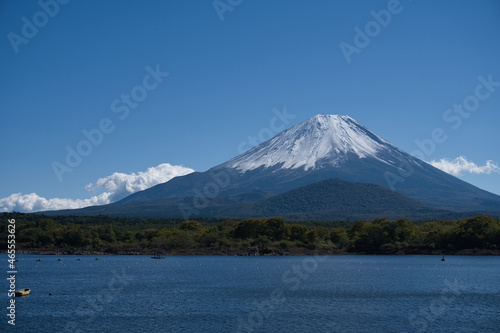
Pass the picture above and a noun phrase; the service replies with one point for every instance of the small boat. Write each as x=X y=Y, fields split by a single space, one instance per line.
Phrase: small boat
x=39 y=260
x=443 y=259
x=22 y=292
x=157 y=256
x=59 y=259
x=97 y=259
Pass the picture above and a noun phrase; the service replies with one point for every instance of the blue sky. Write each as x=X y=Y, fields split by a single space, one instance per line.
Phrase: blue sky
x=229 y=65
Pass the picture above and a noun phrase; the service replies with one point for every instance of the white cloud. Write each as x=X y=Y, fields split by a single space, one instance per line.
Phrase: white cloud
x=120 y=185
x=461 y=165
x=34 y=203
x=116 y=186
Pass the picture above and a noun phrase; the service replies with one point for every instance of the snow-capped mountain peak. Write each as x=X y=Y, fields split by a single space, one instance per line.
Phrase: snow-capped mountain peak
x=323 y=148
x=318 y=141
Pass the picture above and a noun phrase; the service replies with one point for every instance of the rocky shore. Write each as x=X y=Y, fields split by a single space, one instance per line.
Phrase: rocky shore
x=239 y=252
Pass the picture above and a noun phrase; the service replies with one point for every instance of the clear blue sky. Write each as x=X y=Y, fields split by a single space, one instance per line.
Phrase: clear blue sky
x=226 y=76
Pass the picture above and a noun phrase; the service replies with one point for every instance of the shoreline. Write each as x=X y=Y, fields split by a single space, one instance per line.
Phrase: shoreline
x=295 y=252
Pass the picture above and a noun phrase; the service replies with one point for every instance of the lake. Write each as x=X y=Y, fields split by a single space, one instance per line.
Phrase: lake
x=343 y=293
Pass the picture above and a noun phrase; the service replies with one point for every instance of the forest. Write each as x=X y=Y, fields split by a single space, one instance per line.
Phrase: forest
x=256 y=236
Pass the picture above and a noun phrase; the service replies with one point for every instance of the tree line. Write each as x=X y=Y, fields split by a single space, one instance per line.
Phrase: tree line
x=251 y=236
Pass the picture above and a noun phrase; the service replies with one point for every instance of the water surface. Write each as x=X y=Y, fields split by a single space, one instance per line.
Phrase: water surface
x=257 y=294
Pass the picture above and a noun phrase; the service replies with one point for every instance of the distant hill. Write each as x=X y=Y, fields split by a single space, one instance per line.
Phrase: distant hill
x=341 y=200
x=327 y=200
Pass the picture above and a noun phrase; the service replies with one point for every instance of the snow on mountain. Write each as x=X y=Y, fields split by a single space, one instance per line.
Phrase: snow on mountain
x=319 y=141
x=321 y=148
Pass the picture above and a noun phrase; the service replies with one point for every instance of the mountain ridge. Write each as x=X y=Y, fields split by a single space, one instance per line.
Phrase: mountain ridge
x=319 y=148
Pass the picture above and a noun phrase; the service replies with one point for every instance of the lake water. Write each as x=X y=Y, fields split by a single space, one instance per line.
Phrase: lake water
x=256 y=294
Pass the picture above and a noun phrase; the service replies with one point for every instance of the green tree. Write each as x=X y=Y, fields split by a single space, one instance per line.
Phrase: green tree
x=251 y=228
x=277 y=229
x=191 y=226
x=298 y=233
x=339 y=238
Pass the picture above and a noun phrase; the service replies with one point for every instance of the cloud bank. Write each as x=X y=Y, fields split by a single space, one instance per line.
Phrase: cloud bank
x=120 y=185
x=461 y=165
x=116 y=186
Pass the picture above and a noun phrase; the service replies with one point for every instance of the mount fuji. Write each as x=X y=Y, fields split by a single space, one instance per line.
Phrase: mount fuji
x=294 y=165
